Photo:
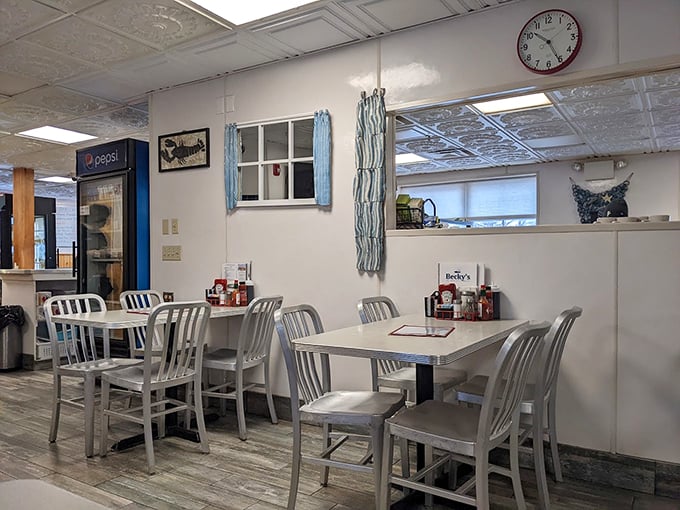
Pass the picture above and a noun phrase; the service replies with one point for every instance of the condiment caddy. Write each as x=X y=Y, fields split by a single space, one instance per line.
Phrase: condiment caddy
x=468 y=304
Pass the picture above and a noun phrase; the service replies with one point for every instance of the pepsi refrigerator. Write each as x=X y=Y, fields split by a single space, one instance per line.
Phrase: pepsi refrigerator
x=113 y=219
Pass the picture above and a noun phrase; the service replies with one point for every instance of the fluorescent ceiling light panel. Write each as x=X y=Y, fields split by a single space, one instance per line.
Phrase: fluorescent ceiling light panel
x=53 y=134
x=58 y=179
x=239 y=13
x=513 y=103
x=403 y=159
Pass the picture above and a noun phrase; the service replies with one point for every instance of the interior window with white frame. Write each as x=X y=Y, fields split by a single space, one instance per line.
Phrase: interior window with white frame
x=276 y=164
x=498 y=202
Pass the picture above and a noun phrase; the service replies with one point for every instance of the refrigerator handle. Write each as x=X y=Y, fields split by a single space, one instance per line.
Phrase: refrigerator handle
x=75 y=259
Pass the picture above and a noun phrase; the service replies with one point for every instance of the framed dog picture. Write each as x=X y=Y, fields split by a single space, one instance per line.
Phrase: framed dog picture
x=180 y=151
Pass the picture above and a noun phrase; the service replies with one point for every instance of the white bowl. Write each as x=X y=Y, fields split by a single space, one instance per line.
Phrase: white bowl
x=659 y=217
x=628 y=219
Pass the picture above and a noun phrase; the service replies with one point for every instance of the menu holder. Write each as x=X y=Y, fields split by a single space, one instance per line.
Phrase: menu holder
x=431 y=331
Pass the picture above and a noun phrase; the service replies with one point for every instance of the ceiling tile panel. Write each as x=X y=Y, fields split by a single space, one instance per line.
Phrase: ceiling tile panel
x=603 y=107
x=13 y=145
x=61 y=160
x=610 y=124
x=152 y=72
x=40 y=63
x=223 y=52
x=439 y=114
x=526 y=117
x=313 y=31
x=108 y=86
x=415 y=168
x=20 y=16
x=161 y=23
x=70 y=6
x=110 y=124
x=544 y=130
x=27 y=115
x=461 y=126
x=11 y=84
x=81 y=39
x=566 y=152
x=465 y=163
x=667 y=98
x=671 y=143
x=623 y=147
x=397 y=14
x=662 y=80
x=593 y=91
x=65 y=101
x=668 y=130
x=666 y=116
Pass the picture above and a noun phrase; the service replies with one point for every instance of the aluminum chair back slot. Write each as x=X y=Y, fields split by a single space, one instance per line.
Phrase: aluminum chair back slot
x=140 y=300
x=374 y=309
x=505 y=390
x=255 y=339
x=556 y=340
x=79 y=341
x=308 y=374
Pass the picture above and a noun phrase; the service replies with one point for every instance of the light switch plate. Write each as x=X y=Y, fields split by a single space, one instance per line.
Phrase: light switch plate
x=174 y=226
x=166 y=226
x=172 y=253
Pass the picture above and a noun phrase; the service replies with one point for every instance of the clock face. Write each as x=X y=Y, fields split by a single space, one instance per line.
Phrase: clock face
x=549 y=41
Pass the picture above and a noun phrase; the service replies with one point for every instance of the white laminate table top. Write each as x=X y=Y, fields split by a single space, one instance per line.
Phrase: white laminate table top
x=374 y=340
x=121 y=319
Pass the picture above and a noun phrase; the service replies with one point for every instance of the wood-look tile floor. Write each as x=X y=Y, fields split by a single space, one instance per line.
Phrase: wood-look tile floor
x=251 y=474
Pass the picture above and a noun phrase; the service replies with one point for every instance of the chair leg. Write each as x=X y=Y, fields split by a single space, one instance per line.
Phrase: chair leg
x=268 y=391
x=240 y=406
x=377 y=433
x=104 y=431
x=148 y=432
x=189 y=397
x=539 y=459
x=200 y=422
x=89 y=414
x=56 y=408
x=514 y=464
x=223 y=402
x=386 y=472
x=325 y=444
x=295 y=468
x=482 y=481
x=429 y=478
x=405 y=464
x=552 y=433
x=160 y=396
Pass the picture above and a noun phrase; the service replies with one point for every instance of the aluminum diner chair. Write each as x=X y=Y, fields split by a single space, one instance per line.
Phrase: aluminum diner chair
x=140 y=301
x=396 y=374
x=181 y=326
x=254 y=346
x=468 y=434
x=473 y=392
x=80 y=359
x=309 y=380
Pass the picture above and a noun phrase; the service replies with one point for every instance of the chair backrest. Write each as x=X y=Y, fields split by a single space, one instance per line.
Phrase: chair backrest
x=555 y=341
x=308 y=373
x=140 y=300
x=505 y=388
x=255 y=338
x=181 y=327
x=374 y=309
x=78 y=341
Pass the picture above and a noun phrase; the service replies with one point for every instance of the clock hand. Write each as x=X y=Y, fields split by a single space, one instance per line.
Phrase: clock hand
x=540 y=37
x=552 y=48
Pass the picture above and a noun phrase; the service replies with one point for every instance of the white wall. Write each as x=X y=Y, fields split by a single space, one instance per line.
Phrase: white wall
x=307 y=253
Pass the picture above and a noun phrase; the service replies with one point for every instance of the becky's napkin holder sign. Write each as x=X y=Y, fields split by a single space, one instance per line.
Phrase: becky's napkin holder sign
x=462 y=274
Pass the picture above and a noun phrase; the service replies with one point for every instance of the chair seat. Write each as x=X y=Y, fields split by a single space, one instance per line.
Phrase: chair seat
x=472 y=391
x=352 y=407
x=100 y=365
x=133 y=377
x=225 y=359
x=443 y=425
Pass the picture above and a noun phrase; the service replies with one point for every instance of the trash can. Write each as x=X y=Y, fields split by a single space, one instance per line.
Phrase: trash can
x=11 y=320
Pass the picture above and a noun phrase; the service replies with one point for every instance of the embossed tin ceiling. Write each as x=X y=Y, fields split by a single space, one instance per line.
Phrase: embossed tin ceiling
x=605 y=119
x=76 y=64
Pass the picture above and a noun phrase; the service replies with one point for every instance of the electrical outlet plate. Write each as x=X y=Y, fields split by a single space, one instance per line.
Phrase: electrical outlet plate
x=165 y=226
x=174 y=226
x=173 y=253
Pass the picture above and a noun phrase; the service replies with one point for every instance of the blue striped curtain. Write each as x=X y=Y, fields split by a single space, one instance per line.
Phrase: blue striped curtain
x=231 y=153
x=322 y=157
x=369 y=182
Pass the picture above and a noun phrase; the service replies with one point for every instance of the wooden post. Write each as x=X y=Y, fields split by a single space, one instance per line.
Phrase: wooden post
x=24 y=218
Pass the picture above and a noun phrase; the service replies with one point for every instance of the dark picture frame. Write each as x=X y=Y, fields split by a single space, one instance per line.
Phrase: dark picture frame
x=184 y=150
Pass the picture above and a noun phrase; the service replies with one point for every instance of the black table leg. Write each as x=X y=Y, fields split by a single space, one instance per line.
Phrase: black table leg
x=424 y=391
